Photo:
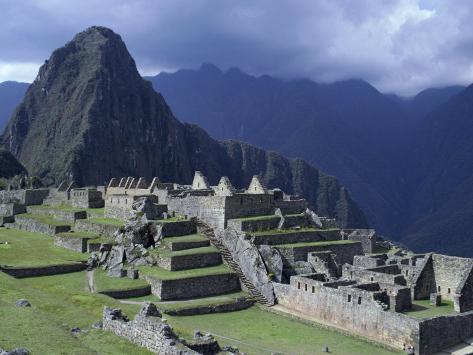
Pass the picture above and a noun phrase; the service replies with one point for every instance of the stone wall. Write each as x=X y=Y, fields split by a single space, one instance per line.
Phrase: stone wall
x=21 y=272
x=148 y=331
x=359 y=314
x=83 y=225
x=24 y=197
x=291 y=206
x=441 y=332
x=61 y=215
x=295 y=237
x=210 y=209
x=86 y=198
x=121 y=206
x=128 y=293
x=189 y=261
x=254 y=225
x=449 y=274
x=11 y=209
x=194 y=287
x=178 y=228
x=344 y=252
x=72 y=243
x=31 y=225
x=373 y=275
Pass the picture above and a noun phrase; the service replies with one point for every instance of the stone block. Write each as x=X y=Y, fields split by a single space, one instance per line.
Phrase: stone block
x=435 y=299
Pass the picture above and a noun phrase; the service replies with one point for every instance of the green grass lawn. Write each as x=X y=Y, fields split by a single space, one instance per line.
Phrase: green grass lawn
x=287 y=231
x=67 y=208
x=45 y=219
x=320 y=244
x=185 y=238
x=59 y=303
x=78 y=234
x=96 y=212
x=163 y=274
x=33 y=249
x=264 y=332
x=201 y=250
x=258 y=218
x=423 y=309
x=107 y=221
x=103 y=282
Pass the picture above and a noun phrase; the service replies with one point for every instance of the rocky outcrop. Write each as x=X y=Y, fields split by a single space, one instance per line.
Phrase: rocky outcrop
x=272 y=260
x=91 y=116
x=249 y=260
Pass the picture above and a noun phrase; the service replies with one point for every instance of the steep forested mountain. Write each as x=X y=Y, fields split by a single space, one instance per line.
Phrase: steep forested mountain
x=89 y=115
x=348 y=129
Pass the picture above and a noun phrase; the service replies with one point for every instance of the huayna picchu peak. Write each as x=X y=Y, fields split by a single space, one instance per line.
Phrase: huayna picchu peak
x=90 y=116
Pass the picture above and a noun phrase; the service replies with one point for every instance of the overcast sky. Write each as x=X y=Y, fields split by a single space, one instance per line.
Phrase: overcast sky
x=400 y=46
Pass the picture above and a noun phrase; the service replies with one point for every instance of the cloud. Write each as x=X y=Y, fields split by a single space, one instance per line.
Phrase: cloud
x=399 y=46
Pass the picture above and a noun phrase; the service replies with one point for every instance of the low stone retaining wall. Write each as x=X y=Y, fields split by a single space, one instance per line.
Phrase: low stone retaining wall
x=177 y=245
x=31 y=225
x=254 y=225
x=344 y=252
x=22 y=272
x=6 y=219
x=11 y=209
x=194 y=287
x=128 y=293
x=66 y=216
x=296 y=237
x=189 y=261
x=146 y=330
x=96 y=246
x=96 y=228
x=77 y=244
x=179 y=228
x=238 y=305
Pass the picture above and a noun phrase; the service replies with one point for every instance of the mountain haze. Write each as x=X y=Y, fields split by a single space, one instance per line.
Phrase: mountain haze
x=90 y=116
x=348 y=129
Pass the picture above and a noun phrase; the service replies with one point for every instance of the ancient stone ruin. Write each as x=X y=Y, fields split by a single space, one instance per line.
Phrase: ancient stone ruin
x=268 y=244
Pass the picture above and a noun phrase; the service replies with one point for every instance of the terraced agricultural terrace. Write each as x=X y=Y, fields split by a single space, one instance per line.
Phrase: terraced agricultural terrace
x=209 y=269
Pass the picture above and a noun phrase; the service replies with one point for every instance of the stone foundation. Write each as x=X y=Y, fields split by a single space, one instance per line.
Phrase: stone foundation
x=189 y=261
x=96 y=228
x=31 y=225
x=21 y=272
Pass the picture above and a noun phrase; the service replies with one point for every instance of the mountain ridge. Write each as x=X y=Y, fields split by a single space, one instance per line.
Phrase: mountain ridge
x=77 y=114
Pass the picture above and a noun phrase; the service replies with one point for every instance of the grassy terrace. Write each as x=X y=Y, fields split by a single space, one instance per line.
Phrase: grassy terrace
x=44 y=219
x=258 y=218
x=68 y=208
x=106 y=221
x=59 y=303
x=192 y=251
x=316 y=244
x=289 y=231
x=423 y=309
x=163 y=274
x=93 y=238
x=33 y=249
x=169 y=220
x=106 y=283
x=256 y=331
x=185 y=238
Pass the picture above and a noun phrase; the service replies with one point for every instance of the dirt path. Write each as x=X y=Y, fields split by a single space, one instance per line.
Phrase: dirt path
x=90 y=280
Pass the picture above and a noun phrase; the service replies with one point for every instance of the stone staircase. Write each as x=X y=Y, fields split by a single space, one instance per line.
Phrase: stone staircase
x=227 y=256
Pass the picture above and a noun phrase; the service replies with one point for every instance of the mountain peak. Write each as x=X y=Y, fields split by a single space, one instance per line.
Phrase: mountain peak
x=210 y=68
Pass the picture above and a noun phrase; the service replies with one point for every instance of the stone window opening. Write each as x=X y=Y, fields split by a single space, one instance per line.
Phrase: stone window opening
x=241 y=200
x=305 y=287
x=299 y=285
x=349 y=298
x=449 y=290
x=313 y=289
x=439 y=288
x=371 y=278
x=407 y=272
x=359 y=300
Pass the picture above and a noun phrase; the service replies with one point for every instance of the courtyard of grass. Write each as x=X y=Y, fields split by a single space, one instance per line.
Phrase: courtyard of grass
x=45 y=219
x=59 y=303
x=423 y=309
x=33 y=249
x=103 y=282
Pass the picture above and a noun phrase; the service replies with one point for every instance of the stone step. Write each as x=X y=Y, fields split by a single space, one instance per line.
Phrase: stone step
x=188 y=259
